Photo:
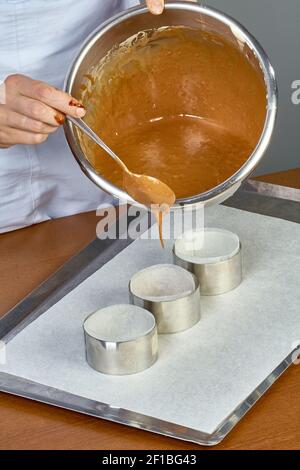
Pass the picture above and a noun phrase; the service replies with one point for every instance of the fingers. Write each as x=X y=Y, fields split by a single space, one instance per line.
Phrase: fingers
x=15 y=120
x=36 y=110
x=155 y=6
x=9 y=137
x=32 y=109
x=46 y=94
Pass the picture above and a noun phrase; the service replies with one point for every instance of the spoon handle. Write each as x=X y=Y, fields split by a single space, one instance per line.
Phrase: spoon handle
x=91 y=134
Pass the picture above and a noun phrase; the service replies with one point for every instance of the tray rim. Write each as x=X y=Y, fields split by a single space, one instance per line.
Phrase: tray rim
x=92 y=257
x=25 y=388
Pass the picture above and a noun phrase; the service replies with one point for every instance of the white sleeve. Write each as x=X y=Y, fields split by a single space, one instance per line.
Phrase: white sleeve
x=4 y=77
x=132 y=3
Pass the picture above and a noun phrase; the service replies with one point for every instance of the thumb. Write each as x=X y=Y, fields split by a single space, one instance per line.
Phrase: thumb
x=155 y=6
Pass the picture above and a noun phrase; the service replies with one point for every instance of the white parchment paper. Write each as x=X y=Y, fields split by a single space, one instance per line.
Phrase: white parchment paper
x=202 y=374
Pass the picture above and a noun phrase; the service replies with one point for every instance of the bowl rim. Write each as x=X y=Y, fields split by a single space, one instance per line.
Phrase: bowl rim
x=234 y=181
x=134 y=339
x=162 y=300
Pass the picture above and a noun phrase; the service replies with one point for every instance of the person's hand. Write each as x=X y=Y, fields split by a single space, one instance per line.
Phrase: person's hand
x=30 y=110
x=157 y=6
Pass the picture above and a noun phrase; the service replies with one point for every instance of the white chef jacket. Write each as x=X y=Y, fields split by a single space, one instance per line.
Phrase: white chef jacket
x=39 y=38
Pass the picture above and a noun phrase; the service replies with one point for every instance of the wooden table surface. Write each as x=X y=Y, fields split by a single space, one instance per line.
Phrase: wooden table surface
x=28 y=257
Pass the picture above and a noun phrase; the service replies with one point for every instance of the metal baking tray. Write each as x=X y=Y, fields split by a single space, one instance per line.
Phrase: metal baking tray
x=255 y=197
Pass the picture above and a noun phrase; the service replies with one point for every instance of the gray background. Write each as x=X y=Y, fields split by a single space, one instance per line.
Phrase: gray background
x=276 y=25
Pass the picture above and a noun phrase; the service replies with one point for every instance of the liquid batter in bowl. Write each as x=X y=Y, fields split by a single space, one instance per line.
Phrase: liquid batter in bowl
x=180 y=104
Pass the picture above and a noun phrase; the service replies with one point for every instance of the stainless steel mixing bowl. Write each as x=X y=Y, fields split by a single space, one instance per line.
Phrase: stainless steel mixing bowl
x=136 y=19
